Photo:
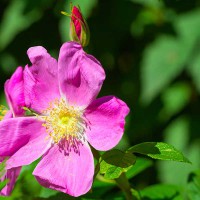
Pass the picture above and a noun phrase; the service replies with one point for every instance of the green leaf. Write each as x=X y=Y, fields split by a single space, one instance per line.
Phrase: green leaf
x=119 y=158
x=104 y=167
x=140 y=165
x=159 y=150
x=161 y=192
x=3 y=184
x=177 y=133
x=193 y=188
x=113 y=172
x=46 y=192
x=2 y=172
x=114 y=162
x=2 y=167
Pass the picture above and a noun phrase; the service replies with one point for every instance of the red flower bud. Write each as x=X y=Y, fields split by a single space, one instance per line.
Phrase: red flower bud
x=79 y=30
x=77 y=18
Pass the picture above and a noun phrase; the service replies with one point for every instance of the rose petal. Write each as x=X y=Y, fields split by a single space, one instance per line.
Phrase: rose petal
x=8 y=115
x=69 y=173
x=11 y=175
x=18 y=132
x=30 y=152
x=14 y=90
x=41 y=80
x=80 y=75
x=105 y=119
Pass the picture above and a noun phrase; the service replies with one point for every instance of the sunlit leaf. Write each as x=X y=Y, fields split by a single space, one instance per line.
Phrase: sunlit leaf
x=2 y=173
x=159 y=150
x=3 y=184
x=113 y=172
x=2 y=167
x=115 y=162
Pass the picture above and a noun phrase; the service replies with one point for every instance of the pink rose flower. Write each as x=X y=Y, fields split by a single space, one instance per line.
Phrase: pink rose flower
x=15 y=98
x=67 y=117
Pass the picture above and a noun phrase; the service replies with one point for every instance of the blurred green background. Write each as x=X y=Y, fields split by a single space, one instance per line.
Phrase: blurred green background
x=150 y=50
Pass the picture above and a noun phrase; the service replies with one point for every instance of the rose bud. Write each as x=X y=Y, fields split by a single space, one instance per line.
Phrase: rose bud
x=79 y=30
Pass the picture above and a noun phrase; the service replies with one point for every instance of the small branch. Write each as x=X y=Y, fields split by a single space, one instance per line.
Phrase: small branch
x=124 y=185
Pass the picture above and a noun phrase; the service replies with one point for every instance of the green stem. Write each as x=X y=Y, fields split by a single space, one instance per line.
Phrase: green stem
x=124 y=185
x=102 y=179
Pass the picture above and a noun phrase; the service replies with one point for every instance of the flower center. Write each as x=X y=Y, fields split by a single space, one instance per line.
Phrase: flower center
x=63 y=121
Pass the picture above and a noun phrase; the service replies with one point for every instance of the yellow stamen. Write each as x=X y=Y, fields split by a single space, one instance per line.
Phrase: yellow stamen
x=3 y=111
x=63 y=121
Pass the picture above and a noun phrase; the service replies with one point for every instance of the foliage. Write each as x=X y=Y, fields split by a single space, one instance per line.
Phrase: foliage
x=150 y=51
